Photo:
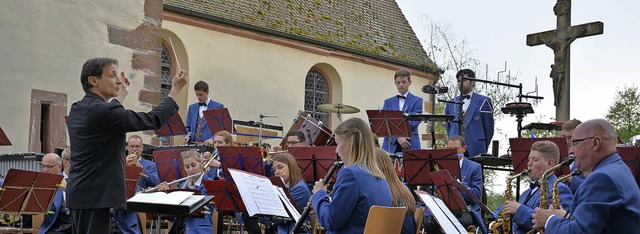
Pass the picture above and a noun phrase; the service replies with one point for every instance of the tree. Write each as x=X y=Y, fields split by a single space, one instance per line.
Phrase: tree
x=624 y=114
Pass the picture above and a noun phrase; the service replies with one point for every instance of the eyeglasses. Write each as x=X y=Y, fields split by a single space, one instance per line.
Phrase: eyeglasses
x=576 y=141
x=292 y=142
x=135 y=146
x=49 y=166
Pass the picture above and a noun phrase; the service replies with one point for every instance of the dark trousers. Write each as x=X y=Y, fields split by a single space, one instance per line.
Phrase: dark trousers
x=94 y=221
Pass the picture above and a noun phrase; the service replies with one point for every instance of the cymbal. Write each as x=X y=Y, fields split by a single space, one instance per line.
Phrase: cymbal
x=338 y=108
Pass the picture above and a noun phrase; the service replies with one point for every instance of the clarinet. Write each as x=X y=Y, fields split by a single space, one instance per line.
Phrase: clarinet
x=307 y=209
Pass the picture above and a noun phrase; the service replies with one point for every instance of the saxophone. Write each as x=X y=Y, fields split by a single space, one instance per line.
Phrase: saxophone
x=555 y=197
x=503 y=224
x=544 y=194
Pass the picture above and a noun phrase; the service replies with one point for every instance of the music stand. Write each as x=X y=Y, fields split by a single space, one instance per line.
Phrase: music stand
x=218 y=119
x=389 y=123
x=451 y=197
x=173 y=127
x=631 y=157
x=226 y=197
x=417 y=164
x=28 y=192
x=242 y=158
x=132 y=177
x=314 y=162
x=520 y=148
x=4 y=140
x=169 y=163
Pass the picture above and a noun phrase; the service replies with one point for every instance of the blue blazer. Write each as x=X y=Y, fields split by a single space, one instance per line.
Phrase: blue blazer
x=522 y=218
x=56 y=207
x=300 y=194
x=200 y=225
x=576 y=180
x=354 y=192
x=478 y=122
x=412 y=105
x=192 y=119
x=608 y=201
x=148 y=168
x=409 y=224
x=471 y=176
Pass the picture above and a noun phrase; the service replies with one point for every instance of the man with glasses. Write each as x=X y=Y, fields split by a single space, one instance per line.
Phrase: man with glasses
x=608 y=200
x=58 y=220
x=296 y=138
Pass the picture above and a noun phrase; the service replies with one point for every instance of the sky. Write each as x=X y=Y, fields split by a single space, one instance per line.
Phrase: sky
x=496 y=31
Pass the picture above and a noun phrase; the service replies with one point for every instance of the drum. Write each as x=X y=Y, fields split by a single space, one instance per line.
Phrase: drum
x=319 y=134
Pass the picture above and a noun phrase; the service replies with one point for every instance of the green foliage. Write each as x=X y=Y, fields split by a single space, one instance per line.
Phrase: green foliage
x=624 y=114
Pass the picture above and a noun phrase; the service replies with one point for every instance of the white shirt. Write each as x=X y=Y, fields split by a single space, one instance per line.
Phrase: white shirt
x=401 y=101
x=466 y=102
x=204 y=108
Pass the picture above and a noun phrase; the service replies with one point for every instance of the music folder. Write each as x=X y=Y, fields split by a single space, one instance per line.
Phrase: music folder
x=448 y=222
x=178 y=203
x=260 y=196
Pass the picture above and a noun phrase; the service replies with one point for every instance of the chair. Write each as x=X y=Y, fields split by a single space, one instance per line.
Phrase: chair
x=384 y=220
x=419 y=216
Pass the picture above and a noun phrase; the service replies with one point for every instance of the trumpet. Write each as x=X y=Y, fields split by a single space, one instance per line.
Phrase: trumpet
x=204 y=171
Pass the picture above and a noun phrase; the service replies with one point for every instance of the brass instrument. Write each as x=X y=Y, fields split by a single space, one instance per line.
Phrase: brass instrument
x=544 y=194
x=204 y=171
x=555 y=197
x=503 y=224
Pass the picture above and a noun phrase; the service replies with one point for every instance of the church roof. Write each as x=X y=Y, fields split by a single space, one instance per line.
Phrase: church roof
x=376 y=29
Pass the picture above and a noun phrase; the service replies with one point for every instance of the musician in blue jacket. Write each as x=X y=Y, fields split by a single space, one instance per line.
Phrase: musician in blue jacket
x=543 y=155
x=608 y=200
x=477 y=118
x=58 y=219
x=197 y=127
x=567 y=132
x=360 y=183
x=286 y=167
x=471 y=177
x=407 y=103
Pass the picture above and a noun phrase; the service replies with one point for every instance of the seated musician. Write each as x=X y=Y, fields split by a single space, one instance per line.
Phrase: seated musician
x=399 y=192
x=543 y=155
x=59 y=220
x=567 y=132
x=127 y=222
x=360 y=183
x=471 y=177
x=297 y=138
x=193 y=164
x=197 y=127
x=221 y=138
x=286 y=167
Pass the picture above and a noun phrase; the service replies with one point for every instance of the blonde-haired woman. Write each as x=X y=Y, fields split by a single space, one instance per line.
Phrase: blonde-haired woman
x=360 y=183
x=400 y=194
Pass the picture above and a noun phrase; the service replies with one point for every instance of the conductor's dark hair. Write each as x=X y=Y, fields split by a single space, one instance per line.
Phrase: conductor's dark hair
x=468 y=72
x=298 y=134
x=94 y=67
x=201 y=86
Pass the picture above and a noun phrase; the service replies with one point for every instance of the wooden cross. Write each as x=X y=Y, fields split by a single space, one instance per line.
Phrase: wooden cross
x=559 y=41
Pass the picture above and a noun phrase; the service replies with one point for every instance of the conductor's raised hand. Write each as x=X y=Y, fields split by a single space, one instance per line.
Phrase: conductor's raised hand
x=178 y=82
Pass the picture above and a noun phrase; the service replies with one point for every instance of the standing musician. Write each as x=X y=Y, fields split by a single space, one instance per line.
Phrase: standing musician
x=471 y=177
x=608 y=200
x=97 y=130
x=286 y=167
x=477 y=117
x=197 y=128
x=543 y=155
x=193 y=164
x=127 y=222
x=400 y=194
x=407 y=103
x=360 y=183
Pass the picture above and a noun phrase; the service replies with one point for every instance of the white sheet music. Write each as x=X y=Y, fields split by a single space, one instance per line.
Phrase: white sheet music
x=258 y=194
x=448 y=222
x=287 y=204
x=173 y=198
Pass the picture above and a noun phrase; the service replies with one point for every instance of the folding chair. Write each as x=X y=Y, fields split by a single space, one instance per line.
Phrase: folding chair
x=385 y=220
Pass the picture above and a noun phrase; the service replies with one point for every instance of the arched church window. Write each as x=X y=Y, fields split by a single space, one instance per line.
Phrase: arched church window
x=165 y=73
x=316 y=92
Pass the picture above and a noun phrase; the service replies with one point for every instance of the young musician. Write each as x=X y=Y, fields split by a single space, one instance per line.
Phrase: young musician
x=221 y=138
x=193 y=164
x=399 y=192
x=360 y=183
x=407 y=103
x=286 y=167
x=567 y=133
x=197 y=128
x=296 y=138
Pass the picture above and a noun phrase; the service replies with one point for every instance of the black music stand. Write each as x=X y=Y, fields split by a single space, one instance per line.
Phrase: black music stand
x=226 y=198
x=169 y=163
x=173 y=127
x=389 y=123
x=418 y=164
x=28 y=192
x=631 y=157
x=218 y=119
x=520 y=148
x=242 y=158
x=314 y=162
x=451 y=197
x=4 y=140
x=132 y=177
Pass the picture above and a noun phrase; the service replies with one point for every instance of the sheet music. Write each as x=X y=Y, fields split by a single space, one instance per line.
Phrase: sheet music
x=287 y=204
x=173 y=198
x=448 y=222
x=258 y=194
x=191 y=200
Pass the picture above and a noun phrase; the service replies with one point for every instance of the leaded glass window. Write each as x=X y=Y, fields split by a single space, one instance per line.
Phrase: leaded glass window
x=165 y=75
x=316 y=92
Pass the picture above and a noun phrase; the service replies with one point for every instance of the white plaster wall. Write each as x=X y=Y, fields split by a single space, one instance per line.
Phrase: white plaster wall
x=252 y=77
x=43 y=45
